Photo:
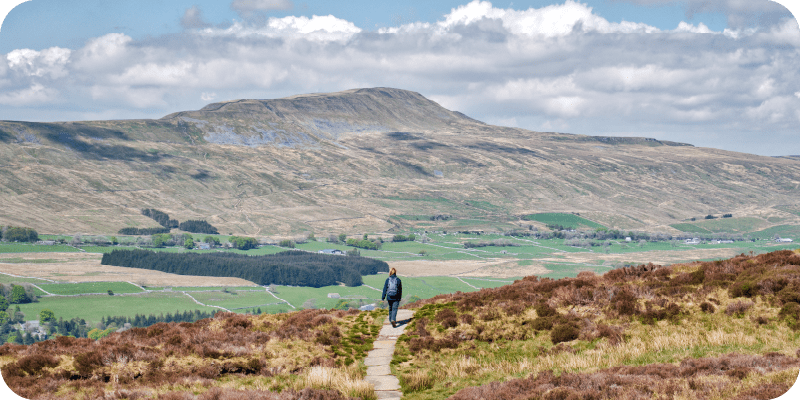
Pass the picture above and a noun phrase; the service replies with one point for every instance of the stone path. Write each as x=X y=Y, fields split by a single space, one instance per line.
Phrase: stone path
x=387 y=386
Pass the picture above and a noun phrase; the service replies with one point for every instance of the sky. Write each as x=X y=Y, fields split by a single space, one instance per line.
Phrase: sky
x=712 y=73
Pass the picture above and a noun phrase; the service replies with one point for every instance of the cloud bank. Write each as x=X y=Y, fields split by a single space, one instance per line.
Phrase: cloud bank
x=560 y=67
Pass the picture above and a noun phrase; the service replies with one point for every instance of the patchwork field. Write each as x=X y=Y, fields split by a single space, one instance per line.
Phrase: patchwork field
x=445 y=266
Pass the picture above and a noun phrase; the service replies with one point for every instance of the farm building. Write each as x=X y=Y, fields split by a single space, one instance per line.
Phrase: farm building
x=334 y=296
x=332 y=251
x=784 y=240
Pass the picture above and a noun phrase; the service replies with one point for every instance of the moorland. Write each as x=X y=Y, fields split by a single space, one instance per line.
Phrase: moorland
x=716 y=330
x=539 y=264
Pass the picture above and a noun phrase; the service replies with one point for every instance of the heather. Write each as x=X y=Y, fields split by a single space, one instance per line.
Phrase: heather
x=712 y=330
x=309 y=354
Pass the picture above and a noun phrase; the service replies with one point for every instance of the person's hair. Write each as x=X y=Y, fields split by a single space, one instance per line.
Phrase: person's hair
x=392 y=271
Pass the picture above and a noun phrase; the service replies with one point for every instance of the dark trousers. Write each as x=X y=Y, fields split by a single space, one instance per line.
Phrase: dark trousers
x=393 y=306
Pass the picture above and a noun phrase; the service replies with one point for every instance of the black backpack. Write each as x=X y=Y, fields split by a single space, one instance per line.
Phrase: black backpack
x=392 y=290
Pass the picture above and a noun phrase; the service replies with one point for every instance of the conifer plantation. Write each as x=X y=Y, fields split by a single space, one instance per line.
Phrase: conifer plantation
x=296 y=268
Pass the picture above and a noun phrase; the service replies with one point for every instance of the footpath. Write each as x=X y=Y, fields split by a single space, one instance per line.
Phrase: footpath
x=379 y=374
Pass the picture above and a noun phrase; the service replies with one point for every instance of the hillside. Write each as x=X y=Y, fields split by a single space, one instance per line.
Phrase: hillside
x=369 y=160
x=725 y=329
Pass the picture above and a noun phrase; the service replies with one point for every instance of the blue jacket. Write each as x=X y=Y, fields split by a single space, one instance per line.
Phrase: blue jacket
x=399 y=294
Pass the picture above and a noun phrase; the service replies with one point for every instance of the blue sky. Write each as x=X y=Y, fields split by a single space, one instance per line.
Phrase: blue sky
x=719 y=73
x=70 y=23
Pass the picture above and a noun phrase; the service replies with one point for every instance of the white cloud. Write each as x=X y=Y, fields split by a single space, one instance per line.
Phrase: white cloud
x=107 y=52
x=550 y=21
x=560 y=67
x=740 y=14
x=686 y=27
x=193 y=19
x=46 y=63
x=34 y=95
x=319 y=28
x=261 y=5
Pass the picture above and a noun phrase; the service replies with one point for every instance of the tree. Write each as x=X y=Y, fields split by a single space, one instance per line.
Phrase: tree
x=243 y=243
x=4 y=317
x=160 y=240
x=19 y=316
x=642 y=242
x=311 y=237
x=18 y=295
x=310 y=304
x=3 y=303
x=342 y=237
x=17 y=234
x=46 y=316
x=114 y=240
x=188 y=243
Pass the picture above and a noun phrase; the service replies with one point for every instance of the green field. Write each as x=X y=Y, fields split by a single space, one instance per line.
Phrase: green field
x=563 y=219
x=790 y=231
x=93 y=307
x=90 y=287
x=720 y=225
x=12 y=279
x=33 y=248
x=205 y=288
x=435 y=245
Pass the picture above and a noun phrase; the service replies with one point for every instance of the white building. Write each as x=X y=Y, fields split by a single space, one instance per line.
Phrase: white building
x=693 y=241
x=332 y=251
x=783 y=240
x=334 y=296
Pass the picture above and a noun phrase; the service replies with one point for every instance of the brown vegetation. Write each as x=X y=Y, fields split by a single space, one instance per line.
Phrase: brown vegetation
x=165 y=358
x=577 y=332
x=693 y=378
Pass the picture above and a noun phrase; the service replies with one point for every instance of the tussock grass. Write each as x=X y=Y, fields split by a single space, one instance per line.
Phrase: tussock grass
x=347 y=380
x=644 y=319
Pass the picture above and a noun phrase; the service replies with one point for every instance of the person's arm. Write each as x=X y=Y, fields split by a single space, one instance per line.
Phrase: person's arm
x=385 y=286
x=399 y=288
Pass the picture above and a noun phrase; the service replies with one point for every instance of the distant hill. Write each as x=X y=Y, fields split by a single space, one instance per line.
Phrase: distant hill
x=368 y=160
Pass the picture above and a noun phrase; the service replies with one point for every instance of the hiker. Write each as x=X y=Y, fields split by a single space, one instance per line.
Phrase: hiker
x=392 y=293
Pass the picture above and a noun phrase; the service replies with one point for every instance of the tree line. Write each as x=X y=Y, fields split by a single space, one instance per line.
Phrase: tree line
x=79 y=328
x=19 y=234
x=192 y=225
x=296 y=268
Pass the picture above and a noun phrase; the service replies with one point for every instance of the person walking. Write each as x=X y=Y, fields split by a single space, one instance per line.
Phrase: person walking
x=392 y=293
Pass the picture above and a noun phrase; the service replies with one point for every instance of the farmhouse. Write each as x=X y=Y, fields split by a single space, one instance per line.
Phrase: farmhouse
x=334 y=296
x=693 y=241
x=783 y=240
x=332 y=251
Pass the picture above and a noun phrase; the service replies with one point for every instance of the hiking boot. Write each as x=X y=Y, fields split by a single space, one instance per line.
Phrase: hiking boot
x=394 y=324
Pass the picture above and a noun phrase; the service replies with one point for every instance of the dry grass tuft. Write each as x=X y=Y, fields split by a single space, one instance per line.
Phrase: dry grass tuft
x=416 y=381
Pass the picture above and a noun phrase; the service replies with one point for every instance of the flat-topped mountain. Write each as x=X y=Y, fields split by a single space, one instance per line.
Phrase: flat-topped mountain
x=305 y=119
x=367 y=160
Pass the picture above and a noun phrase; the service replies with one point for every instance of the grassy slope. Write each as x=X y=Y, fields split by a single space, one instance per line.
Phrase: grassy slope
x=497 y=335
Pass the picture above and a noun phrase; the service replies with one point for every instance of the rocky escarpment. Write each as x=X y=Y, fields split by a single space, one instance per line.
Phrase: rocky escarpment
x=304 y=120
